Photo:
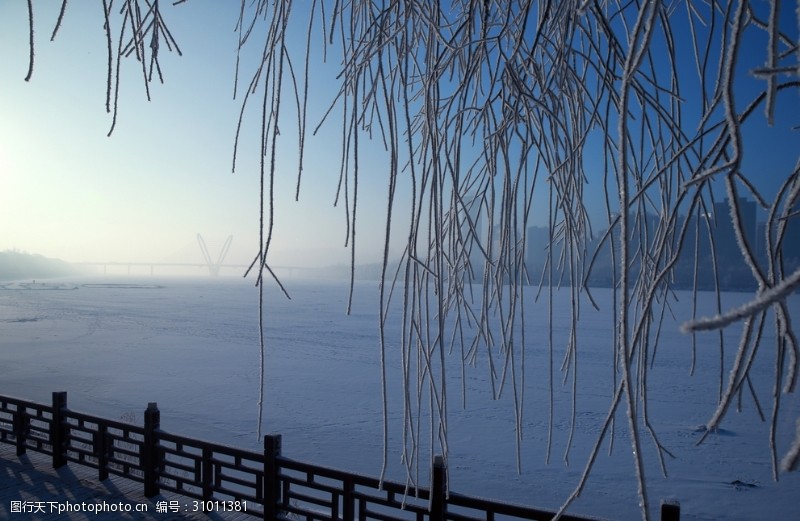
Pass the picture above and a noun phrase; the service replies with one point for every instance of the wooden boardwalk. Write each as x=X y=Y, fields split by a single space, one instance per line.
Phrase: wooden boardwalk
x=31 y=478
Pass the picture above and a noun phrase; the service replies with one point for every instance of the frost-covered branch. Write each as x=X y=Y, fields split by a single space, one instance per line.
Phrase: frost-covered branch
x=762 y=301
x=791 y=461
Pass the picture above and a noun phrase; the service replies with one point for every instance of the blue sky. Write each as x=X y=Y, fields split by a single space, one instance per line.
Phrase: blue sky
x=69 y=191
x=164 y=175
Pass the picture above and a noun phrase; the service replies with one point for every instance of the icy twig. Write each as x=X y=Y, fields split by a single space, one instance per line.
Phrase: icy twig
x=762 y=301
x=791 y=460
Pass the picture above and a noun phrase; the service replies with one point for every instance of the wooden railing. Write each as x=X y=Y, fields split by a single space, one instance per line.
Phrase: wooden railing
x=266 y=485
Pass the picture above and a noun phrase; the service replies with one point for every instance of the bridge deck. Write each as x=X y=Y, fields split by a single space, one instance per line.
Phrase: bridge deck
x=32 y=479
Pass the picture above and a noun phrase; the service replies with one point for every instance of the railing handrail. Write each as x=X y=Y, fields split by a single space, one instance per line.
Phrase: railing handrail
x=265 y=480
x=25 y=403
x=114 y=424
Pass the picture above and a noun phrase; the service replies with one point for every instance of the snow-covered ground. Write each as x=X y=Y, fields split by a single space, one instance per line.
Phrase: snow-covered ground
x=117 y=343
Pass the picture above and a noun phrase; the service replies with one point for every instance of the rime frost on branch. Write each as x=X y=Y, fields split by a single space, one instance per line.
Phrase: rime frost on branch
x=791 y=461
x=762 y=301
x=486 y=109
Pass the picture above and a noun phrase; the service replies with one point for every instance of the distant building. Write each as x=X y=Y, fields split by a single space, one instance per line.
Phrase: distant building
x=733 y=270
x=697 y=263
x=537 y=252
x=473 y=236
x=791 y=242
x=724 y=234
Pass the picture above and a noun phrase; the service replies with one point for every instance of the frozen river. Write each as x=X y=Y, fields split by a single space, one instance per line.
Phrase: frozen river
x=116 y=343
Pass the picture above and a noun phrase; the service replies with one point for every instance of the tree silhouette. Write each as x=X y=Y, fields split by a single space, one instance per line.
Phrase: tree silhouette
x=485 y=105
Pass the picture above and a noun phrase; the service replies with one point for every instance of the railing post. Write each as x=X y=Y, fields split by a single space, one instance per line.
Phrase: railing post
x=348 y=501
x=438 y=506
x=21 y=426
x=207 y=473
x=670 y=511
x=58 y=429
x=150 y=453
x=272 y=491
x=102 y=450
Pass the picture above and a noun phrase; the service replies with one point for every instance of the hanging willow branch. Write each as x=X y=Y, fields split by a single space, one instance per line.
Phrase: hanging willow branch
x=492 y=98
x=139 y=29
